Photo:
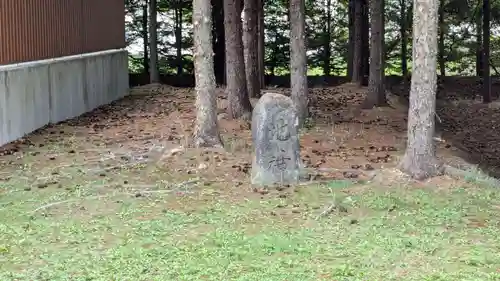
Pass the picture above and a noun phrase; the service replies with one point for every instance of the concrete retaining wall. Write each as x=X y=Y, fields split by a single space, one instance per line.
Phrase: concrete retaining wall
x=37 y=93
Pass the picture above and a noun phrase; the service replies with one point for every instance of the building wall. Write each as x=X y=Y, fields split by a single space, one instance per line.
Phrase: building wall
x=58 y=60
x=41 y=29
x=34 y=94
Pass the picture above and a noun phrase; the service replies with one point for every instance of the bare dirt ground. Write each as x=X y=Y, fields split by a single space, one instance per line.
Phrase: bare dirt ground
x=468 y=125
x=152 y=127
x=119 y=194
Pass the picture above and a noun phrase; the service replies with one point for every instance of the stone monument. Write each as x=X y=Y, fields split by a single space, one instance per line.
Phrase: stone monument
x=276 y=158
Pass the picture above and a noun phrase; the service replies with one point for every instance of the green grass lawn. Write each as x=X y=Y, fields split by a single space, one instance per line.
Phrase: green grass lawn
x=207 y=233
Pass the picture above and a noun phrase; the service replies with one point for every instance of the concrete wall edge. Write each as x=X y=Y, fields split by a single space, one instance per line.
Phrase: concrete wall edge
x=38 y=63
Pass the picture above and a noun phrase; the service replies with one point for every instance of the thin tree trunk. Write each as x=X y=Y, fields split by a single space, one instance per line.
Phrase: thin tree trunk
x=145 y=62
x=219 y=42
x=153 y=44
x=376 y=89
x=251 y=45
x=206 y=132
x=287 y=6
x=420 y=160
x=273 y=58
x=365 y=53
x=298 y=58
x=486 y=52
x=178 y=36
x=262 y=44
x=442 y=31
x=357 y=58
x=327 y=38
x=350 y=44
x=479 y=45
x=404 y=44
x=239 y=102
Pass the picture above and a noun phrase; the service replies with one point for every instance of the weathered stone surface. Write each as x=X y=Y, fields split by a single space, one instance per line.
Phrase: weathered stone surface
x=276 y=141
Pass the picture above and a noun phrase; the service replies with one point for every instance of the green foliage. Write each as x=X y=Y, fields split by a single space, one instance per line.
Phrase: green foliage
x=461 y=21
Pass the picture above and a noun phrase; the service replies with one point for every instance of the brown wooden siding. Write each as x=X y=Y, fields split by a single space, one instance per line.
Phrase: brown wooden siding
x=41 y=29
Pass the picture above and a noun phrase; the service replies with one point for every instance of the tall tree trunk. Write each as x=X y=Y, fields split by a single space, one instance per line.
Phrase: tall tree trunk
x=442 y=31
x=298 y=58
x=420 y=160
x=376 y=89
x=357 y=58
x=327 y=38
x=479 y=45
x=145 y=39
x=404 y=44
x=365 y=53
x=351 y=44
x=251 y=45
x=262 y=44
x=486 y=52
x=219 y=42
x=206 y=132
x=153 y=43
x=239 y=103
x=178 y=35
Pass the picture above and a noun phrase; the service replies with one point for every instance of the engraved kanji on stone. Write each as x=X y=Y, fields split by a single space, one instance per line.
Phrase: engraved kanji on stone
x=280 y=162
x=279 y=129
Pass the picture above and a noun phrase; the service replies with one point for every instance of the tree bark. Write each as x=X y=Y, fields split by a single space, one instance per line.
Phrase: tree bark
x=239 y=103
x=145 y=36
x=357 y=57
x=420 y=160
x=298 y=58
x=486 y=52
x=206 y=132
x=404 y=44
x=376 y=88
x=251 y=45
x=178 y=35
x=442 y=32
x=479 y=45
x=153 y=43
x=350 y=44
x=365 y=52
x=262 y=44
